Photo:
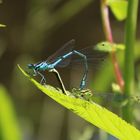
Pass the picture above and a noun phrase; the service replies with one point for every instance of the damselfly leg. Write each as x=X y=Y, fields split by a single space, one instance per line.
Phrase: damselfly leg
x=43 y=80
x=60 y=80
x=74 y=52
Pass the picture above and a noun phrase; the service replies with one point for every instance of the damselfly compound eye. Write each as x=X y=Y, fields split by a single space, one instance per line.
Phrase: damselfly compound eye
x=30 y=66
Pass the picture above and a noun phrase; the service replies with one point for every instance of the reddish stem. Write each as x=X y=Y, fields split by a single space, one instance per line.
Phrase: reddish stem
x=109 y=38
x=118 y=74
x=106 y=24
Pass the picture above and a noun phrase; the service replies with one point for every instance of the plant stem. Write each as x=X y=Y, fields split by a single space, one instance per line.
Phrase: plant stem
x=129 y=55
x=109 y=37
x=106 y=22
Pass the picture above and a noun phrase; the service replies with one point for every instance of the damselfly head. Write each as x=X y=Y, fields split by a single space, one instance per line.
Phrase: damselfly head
x=31 y=66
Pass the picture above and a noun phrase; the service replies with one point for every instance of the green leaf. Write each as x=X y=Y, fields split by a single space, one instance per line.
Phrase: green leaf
x=9 y=127
x=91 y=112
x=104 y=47
x=118 y=8
x=108 y=47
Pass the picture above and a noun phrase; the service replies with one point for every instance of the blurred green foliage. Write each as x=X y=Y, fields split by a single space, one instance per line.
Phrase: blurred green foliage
x=9 y=127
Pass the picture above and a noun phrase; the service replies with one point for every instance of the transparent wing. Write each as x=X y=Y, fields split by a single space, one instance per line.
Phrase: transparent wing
x=68 y=47
x=93 y=57
x=116 y=98
x=107 y=98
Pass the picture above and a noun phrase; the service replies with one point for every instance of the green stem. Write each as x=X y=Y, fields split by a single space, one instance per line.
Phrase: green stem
x=109 y=37
x=129 y=55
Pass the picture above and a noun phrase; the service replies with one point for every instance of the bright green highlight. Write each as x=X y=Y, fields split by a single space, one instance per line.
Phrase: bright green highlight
x=118 y=8
x=9 y=126
x=91 y=112
x=2 y=25
x=109 y=47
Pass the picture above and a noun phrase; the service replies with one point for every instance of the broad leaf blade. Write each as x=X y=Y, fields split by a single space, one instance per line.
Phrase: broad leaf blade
x=91 y=112
x=118 y=8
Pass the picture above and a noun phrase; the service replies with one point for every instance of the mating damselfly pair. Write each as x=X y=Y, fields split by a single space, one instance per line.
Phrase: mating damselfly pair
x=62 y=58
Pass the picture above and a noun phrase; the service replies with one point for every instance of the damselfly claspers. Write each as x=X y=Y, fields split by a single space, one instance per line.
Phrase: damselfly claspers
x=59 y=58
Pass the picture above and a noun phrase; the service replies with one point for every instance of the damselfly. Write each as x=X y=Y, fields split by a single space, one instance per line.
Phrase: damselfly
x=60 y=59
